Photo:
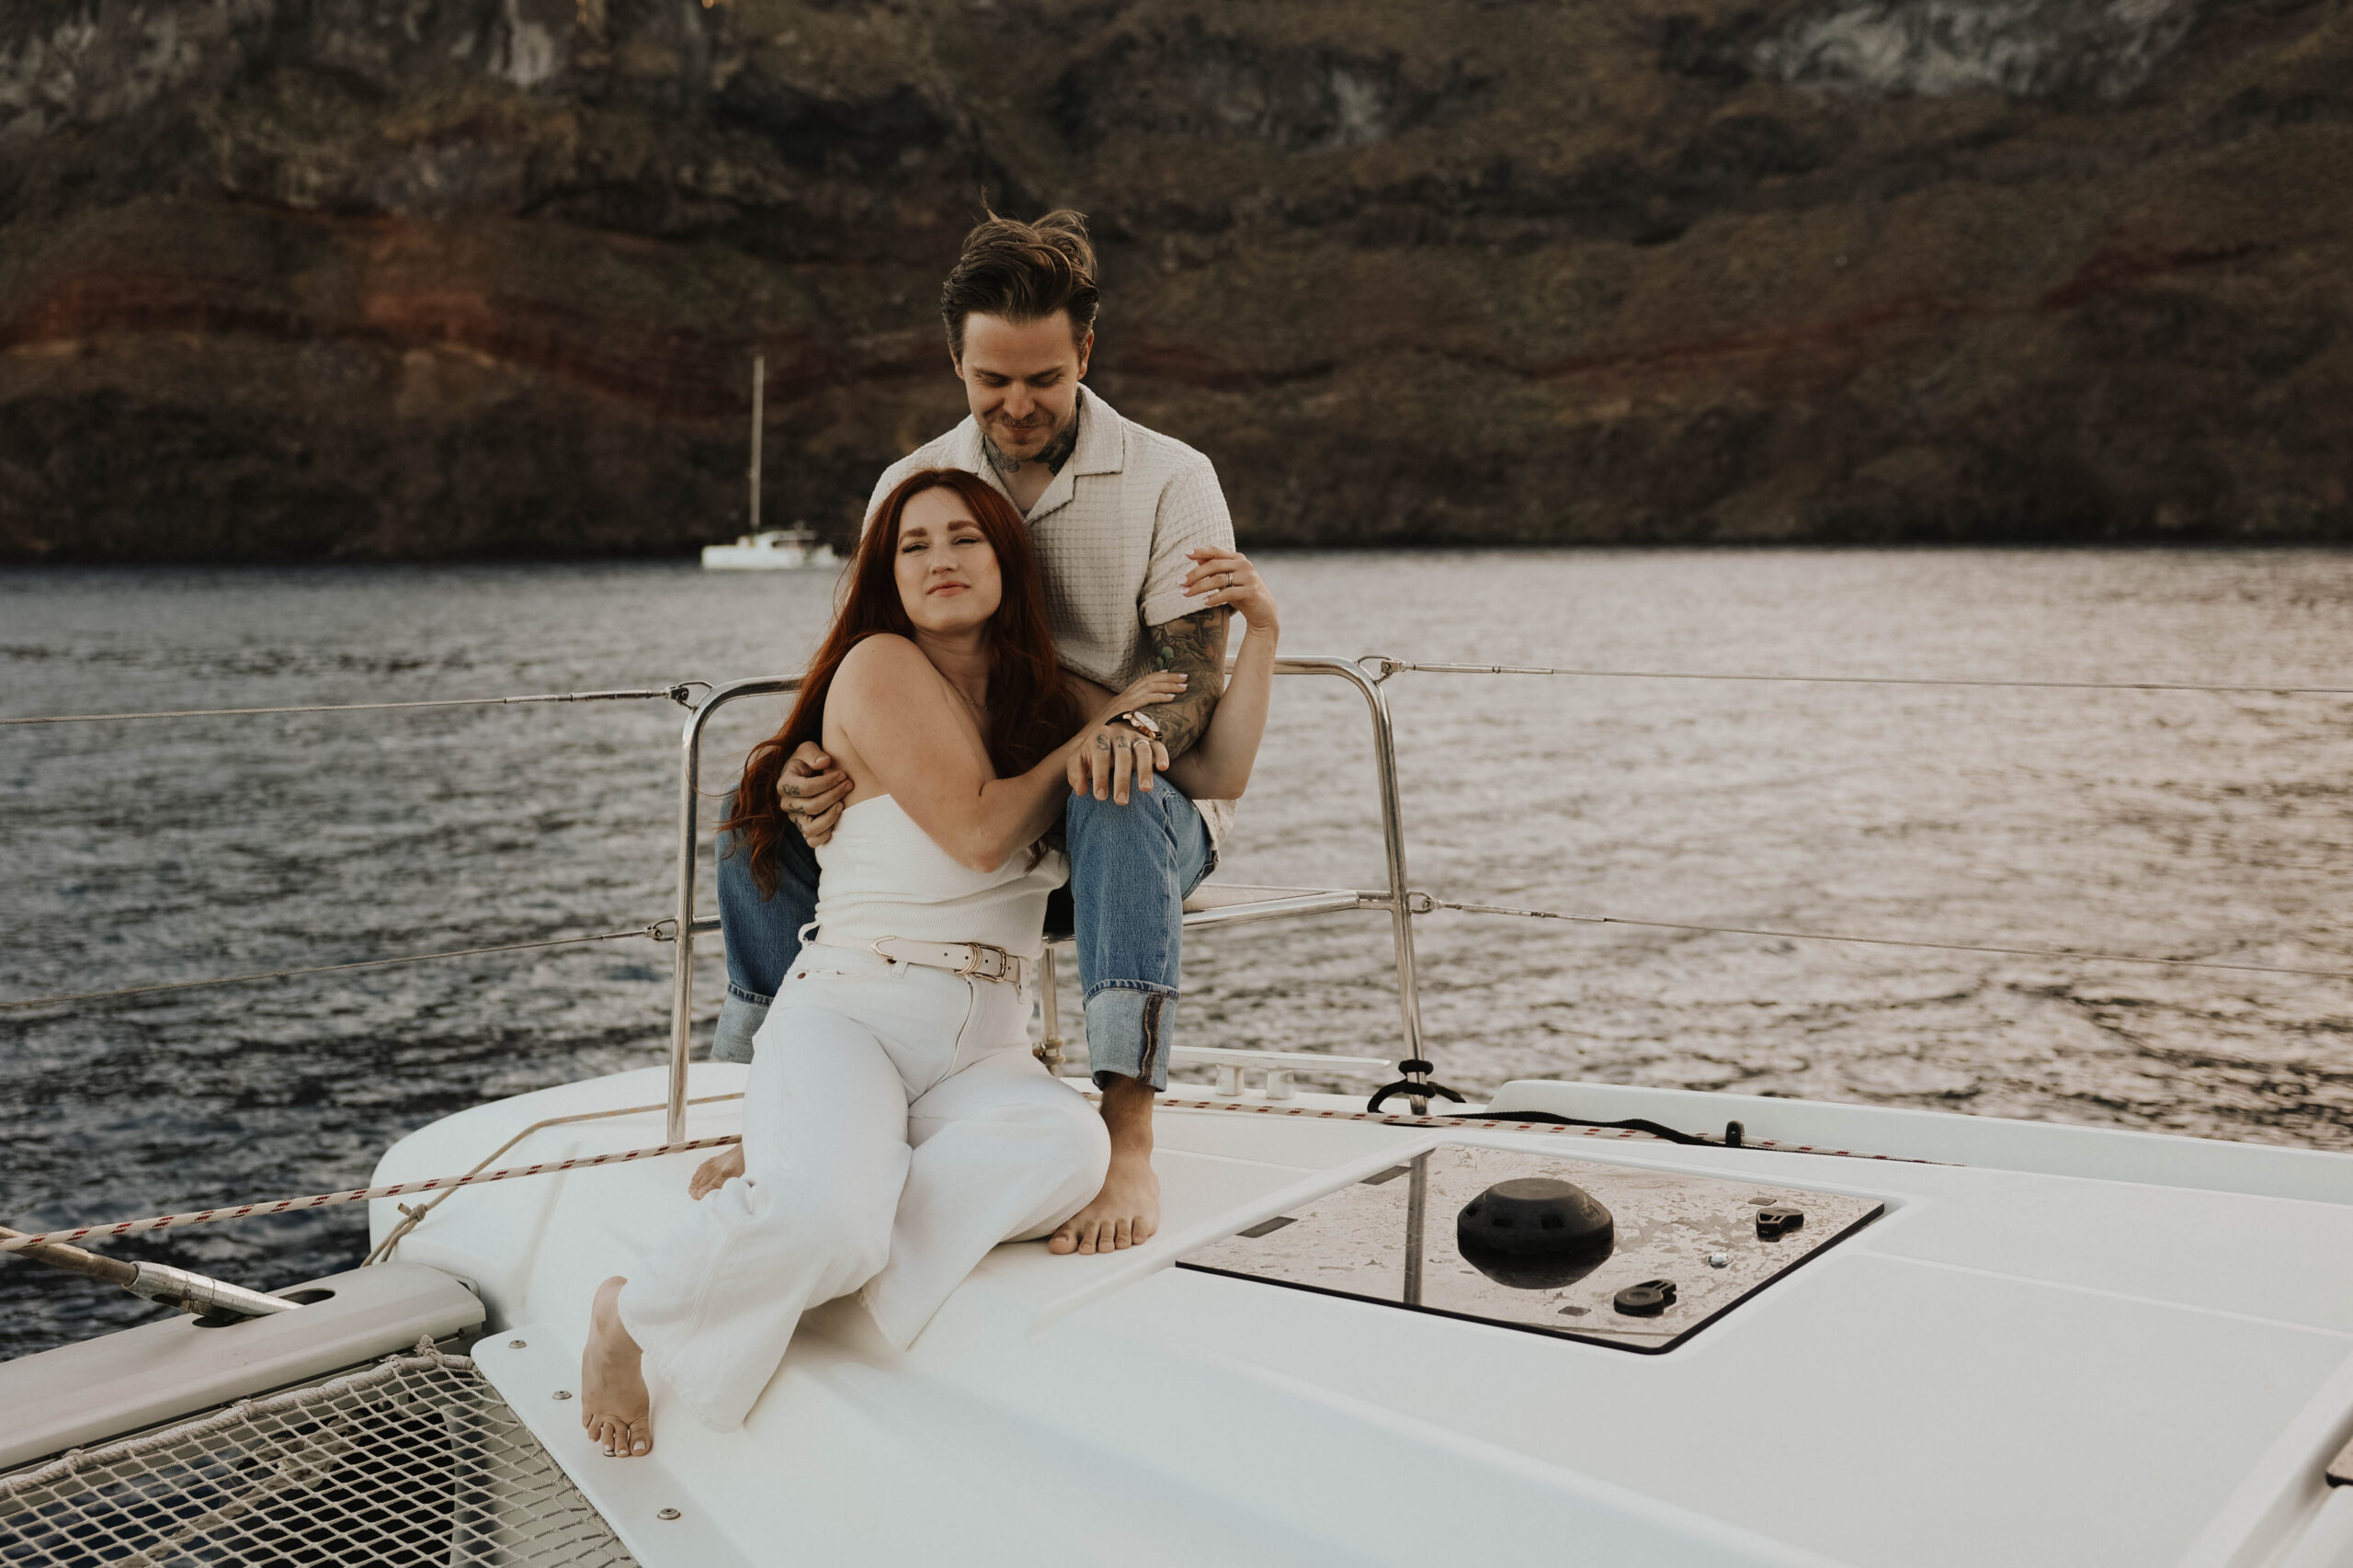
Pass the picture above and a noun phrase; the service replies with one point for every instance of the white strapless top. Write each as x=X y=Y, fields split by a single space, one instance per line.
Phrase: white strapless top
x=883 y=876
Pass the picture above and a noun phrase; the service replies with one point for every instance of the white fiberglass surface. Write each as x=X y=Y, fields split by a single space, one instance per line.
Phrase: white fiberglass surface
x=1002 y=1438
x=2007 y=1367
x=1945 y=1420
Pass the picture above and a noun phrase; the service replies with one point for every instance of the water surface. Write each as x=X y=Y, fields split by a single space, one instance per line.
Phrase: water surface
x=2177 y=824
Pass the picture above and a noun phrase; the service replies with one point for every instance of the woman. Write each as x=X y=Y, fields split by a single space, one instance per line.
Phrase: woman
x=896 y=1125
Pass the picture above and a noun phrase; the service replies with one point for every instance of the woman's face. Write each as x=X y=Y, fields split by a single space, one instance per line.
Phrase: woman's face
x=947 y=572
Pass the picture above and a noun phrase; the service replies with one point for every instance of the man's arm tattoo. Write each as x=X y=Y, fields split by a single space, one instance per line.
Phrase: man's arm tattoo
x=1194 y=645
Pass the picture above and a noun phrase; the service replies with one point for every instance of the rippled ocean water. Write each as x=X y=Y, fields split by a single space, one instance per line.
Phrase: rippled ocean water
x=2186 y=825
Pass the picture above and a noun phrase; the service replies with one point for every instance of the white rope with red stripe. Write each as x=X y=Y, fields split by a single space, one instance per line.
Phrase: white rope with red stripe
x=1250 y=1108
x=356 y=1195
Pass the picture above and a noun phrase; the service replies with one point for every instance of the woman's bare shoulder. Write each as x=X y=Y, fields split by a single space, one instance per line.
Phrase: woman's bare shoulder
x=885 y=657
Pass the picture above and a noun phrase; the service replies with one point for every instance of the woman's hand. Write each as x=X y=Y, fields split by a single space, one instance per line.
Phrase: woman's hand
x=1226 y=577
x=1160 y=686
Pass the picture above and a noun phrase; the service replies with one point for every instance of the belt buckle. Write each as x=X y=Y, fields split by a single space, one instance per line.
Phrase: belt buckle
x=1003 y=969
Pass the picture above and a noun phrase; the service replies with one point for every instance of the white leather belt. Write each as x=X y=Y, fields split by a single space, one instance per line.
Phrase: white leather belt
x=974 y=961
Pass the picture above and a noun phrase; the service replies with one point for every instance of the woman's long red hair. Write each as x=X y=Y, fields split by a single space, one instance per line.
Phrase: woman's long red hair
x=1032 y=708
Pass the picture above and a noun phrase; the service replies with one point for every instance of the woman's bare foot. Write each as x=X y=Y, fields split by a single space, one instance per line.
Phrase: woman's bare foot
x=1127 y=1212
x=614 y=1404
x=716 y=1172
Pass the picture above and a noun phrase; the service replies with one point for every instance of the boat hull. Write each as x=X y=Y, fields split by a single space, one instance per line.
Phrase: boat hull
x=738 y=558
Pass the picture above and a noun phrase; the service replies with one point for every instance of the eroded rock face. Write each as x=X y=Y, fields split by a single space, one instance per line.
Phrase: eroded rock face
x=386 y=277
x=1189 y=82
x=2027 y=49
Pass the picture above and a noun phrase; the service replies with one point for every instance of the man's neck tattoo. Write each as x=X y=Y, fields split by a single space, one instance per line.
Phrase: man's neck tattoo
x=1055 y=454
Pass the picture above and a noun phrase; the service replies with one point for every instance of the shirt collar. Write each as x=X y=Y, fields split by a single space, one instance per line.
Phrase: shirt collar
x=1102 y=448
x=1102 y=437
x=969 y=456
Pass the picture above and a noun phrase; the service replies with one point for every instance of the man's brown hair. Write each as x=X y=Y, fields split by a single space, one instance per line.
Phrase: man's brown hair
x=1023 y=272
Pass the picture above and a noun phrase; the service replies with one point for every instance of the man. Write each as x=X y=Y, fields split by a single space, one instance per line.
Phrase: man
x=1113 y=508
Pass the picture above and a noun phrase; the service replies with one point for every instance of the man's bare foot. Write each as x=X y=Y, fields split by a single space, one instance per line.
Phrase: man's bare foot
x=1127 y=1212
x=614 y=1404
x=716 y=1172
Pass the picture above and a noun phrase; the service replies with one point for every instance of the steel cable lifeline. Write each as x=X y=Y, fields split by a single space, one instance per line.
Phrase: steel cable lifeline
x=1389 y=666
x=660 y=931
x=677 y=692
x=1882 y=941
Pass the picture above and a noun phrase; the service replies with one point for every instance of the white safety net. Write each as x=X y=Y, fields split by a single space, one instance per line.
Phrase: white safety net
x=414 y=1461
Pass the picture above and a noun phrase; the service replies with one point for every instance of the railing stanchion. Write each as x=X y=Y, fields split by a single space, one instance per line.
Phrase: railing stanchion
x=682 y=962
x=1401 y=915
x=682 y=974
x=1051 y=1041
x=1415 y=1083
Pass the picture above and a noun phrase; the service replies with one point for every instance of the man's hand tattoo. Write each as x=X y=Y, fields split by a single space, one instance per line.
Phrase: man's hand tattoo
x=790 y=787
x=1102 y=742
x=1194 y=645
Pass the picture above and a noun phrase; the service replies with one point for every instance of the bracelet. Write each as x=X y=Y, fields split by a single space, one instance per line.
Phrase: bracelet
x=1139 y=721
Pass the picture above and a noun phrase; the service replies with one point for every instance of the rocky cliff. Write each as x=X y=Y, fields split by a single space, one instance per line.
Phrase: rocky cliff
x=391 y=277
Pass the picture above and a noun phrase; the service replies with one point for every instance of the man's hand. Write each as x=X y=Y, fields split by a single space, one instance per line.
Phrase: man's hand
x=811 y=790
x=1111 y=756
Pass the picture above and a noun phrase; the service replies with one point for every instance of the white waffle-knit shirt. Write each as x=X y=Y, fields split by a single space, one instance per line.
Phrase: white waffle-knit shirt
x=1111 y=532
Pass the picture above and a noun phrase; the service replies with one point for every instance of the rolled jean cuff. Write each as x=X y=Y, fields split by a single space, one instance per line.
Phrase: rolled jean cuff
x=1128 y=1023
x=740 y=1018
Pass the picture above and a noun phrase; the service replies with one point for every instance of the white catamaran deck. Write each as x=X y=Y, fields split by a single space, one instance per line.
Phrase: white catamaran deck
x=2020 y=1361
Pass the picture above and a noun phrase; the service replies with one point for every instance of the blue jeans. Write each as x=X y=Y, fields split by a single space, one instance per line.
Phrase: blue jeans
x=1131 y=867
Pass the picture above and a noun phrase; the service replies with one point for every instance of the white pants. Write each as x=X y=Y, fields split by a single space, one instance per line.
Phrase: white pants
x=895 y=1128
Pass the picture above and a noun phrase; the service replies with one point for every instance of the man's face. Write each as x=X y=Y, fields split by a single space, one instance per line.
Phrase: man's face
x=1021 y=378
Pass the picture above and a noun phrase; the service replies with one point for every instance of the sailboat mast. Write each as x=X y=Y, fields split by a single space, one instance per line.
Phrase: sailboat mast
x=759 y=387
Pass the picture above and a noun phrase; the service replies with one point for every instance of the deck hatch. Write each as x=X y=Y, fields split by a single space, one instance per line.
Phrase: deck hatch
x=1394 y=1243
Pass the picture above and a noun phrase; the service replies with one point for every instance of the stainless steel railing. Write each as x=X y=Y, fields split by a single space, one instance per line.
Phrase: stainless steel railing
x=1396 y=900
x=682 y=970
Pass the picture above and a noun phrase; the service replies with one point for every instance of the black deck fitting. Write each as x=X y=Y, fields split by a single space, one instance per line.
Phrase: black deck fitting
x=1413 y=1086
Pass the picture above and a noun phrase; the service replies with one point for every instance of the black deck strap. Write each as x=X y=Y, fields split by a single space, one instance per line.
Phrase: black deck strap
x=1426 y=1088
x=1632 y=1124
